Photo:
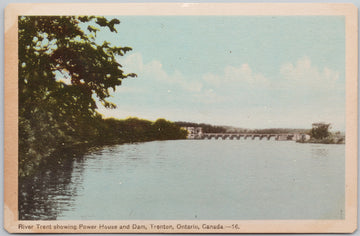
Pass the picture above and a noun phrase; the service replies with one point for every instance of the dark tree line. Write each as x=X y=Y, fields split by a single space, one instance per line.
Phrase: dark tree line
x=140 y=130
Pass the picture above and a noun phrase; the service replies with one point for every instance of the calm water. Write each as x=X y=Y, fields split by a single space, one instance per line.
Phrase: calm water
x=192 y=179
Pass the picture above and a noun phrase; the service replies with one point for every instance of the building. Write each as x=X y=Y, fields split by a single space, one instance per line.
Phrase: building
x=194 y=132
x=301 y=137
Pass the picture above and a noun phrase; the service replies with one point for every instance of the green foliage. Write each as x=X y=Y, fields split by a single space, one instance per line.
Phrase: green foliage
x=320 y=131
x=165 y=130
x=129 y=130
x=139 y=130
x=62 y=72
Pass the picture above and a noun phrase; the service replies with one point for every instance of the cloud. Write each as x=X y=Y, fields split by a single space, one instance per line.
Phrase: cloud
x=307 y=85
x=297 y=95
x=239 y=76
x=292 y=77
x=133 y=62
x=208 y=87
x=154 y=71
x=232 y=86
x=304 y=74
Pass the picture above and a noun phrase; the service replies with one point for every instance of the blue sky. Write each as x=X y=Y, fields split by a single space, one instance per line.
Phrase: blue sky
x=244 y=71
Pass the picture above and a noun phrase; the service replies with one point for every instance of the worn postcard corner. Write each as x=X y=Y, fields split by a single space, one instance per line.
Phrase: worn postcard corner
x=181 y=118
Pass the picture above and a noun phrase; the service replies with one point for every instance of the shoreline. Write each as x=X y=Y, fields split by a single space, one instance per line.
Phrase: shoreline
x=323 y=141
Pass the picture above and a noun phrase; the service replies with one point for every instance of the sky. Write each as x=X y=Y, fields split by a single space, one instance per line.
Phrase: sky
x=244 y=71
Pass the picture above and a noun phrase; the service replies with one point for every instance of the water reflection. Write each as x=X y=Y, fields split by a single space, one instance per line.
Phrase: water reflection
x=52 y=189
x=319 y=151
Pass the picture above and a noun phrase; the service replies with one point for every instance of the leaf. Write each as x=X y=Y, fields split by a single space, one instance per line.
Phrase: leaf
x=101 y=21
x=115 y=21
x=85 y=18
x=92 y=29
x=131 y=75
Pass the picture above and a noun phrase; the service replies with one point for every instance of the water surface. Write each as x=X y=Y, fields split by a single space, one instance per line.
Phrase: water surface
x=192 y=179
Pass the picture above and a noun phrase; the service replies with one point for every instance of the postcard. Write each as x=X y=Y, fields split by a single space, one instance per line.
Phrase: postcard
x=181 y=118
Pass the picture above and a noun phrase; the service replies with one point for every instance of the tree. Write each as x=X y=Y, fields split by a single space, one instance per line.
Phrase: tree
x=166 y=130
x=320 y=131
x=63 y=71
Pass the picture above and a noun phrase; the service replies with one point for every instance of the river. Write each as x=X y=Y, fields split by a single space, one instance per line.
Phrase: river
x=191 y=180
